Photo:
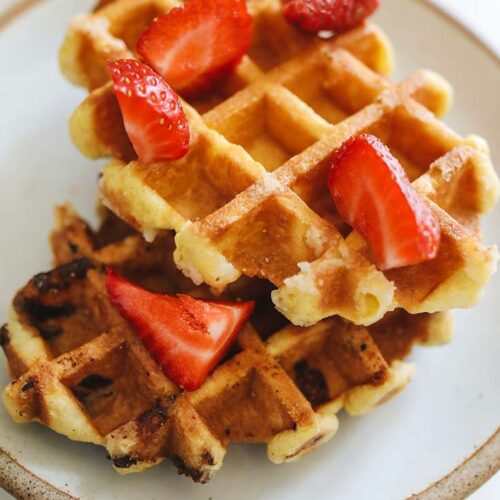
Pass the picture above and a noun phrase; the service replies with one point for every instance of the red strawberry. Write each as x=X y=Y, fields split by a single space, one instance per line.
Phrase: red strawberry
x=334 y=15
x=193 y=46
x=187 y=337
x=373 y=194
x=153 y=116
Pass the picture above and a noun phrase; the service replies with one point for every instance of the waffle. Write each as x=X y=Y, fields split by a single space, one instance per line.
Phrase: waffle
x=112 y=29
x=79 y=369
x=117 y=245
x=245 y=215
x=250 y=197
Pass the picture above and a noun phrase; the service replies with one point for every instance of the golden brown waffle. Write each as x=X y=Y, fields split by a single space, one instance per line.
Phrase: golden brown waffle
x=80 y=370
x=249 y=201
x=250 y=197
x=112 y=29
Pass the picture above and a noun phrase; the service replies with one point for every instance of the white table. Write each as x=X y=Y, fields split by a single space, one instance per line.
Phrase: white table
x=480 y=16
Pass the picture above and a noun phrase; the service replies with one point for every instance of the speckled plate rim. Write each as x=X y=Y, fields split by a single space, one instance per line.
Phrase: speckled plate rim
x=461 y=482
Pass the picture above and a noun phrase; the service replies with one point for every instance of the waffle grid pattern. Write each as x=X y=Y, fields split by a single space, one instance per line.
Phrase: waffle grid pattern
x=81 y=371
x=246 y=212
x=250 y=198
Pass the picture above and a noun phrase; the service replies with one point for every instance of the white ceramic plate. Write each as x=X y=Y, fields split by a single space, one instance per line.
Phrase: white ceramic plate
x=447 y=412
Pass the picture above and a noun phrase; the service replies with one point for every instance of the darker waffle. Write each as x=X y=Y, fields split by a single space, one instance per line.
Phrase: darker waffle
x=79 y=369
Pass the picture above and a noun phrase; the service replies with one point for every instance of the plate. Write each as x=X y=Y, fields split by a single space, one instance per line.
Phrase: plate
x=452 y=406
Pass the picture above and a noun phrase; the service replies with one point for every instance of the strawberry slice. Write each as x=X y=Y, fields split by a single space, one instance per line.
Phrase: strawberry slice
x=193 y=46
x=187 y=337
x=373 y=194
x=330 y=15
x=154 y=119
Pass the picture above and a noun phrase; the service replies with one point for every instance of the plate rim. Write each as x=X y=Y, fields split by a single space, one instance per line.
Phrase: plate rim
x=20 y=482
x=462 y=481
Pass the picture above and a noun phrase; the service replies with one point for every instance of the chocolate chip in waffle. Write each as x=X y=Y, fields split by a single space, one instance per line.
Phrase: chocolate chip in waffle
x=81 y=370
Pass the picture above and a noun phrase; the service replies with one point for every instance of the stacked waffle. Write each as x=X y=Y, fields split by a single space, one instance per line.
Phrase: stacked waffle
x=81 y=370
x=246 y=214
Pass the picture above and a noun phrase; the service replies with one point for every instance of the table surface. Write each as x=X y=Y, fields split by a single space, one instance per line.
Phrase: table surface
x=481 y=17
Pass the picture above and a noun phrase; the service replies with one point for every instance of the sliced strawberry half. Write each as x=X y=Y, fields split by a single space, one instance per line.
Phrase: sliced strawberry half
x=153 y=116
x=193 y=46
x=373 y=194
x=331 y=15
x=187 y=337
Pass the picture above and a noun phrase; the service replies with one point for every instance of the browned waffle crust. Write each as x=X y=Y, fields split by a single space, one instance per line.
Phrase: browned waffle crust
x=79 y=369
x=250 y=197
x=249 y=201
